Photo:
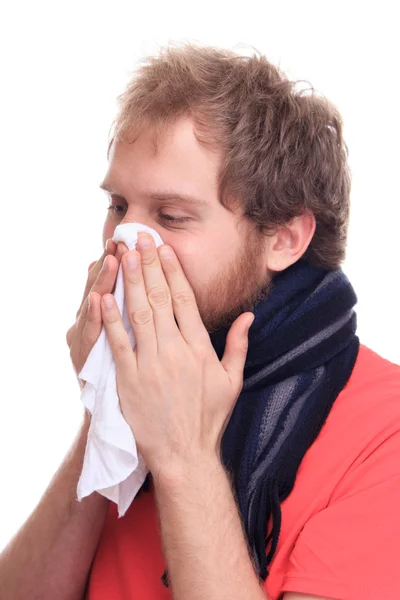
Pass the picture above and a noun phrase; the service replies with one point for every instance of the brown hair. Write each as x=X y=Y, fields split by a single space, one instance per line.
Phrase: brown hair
x=282 y=148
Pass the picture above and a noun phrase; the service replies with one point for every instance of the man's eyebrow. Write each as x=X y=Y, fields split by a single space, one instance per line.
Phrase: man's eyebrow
x=161 y=196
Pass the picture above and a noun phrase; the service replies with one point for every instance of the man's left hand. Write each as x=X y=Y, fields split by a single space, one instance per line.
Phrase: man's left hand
x=174 y=392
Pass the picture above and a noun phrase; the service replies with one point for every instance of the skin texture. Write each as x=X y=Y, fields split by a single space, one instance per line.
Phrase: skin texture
x=171 y=362
x=227 y=267
x=221 y=253
x=172 y=304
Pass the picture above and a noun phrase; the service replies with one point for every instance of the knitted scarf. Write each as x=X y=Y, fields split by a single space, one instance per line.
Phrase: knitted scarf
x=302 y=350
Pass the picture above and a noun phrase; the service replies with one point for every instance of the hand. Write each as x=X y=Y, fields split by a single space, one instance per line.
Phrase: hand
x=174 y=392
x=82 y=336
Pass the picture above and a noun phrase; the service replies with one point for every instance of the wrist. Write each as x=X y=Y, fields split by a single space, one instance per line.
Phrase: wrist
x=78 y=446
x=183 y=472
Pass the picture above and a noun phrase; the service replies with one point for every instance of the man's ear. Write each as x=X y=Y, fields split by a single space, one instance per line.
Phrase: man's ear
x=290 y=241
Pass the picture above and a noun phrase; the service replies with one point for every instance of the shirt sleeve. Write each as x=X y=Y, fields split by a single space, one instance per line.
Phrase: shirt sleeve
x=351 y=549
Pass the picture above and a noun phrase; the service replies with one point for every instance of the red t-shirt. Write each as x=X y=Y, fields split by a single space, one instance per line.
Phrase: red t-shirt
x=340 y=525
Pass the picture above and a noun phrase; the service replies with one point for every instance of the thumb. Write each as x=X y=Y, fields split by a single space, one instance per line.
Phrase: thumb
x=237 y=343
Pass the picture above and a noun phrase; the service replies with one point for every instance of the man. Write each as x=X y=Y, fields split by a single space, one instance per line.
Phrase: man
x=273 y=451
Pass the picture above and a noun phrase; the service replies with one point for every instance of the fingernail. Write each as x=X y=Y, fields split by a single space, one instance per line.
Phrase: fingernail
x=166 y=252
x=144 y=240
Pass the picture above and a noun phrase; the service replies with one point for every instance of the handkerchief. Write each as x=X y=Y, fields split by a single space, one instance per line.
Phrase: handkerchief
x=112 y=465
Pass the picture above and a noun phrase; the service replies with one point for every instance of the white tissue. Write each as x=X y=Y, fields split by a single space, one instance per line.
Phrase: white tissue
x=112 y=465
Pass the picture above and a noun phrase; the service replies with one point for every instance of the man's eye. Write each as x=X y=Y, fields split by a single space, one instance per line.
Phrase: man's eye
x=114 y=208
x=172 y=219
x=118 y=209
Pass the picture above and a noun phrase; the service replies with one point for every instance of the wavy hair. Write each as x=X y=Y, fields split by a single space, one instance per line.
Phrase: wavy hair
x=282 y=148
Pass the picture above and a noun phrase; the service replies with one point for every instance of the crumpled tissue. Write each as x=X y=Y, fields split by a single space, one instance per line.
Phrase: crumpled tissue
x=112 y=466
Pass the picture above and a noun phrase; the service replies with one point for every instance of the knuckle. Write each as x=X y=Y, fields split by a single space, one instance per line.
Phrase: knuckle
x=92 y=328
x=151 y=259
x=170 y=352
x=183 y=298
x=113 y=318
x=120 y=348
x=68 y=335
x=201 y=350
x=171 y=359
x=159 y=296
x=243 y=349
x=132 y=277
x=142 y=316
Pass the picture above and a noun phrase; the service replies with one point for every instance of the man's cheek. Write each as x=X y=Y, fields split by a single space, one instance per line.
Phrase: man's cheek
x=197 y=273
x=108 y=232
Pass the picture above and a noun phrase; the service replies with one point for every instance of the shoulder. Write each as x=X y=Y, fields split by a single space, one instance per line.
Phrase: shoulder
x=372 y=372
x=367 y=411
x=347 y=547
x=364 y=417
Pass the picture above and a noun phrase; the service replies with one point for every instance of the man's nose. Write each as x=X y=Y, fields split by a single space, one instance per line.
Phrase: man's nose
x=134 y=215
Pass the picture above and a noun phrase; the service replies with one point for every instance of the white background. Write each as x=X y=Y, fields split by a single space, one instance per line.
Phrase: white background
x=62 y=66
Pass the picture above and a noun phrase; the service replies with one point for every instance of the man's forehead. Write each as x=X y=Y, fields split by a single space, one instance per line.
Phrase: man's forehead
x=174 y=175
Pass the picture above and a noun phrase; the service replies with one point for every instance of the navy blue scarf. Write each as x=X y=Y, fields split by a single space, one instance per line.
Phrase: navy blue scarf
x=302 y=350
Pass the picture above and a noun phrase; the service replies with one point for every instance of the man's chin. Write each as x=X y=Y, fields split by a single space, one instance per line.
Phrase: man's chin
x=225 y=319
x=216 y=322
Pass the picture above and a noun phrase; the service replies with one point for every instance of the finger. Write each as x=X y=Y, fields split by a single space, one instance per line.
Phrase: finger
x=236 y=347
x=81 y=321
x=70 y=335
x=110 y=246
x=104 y=282
x=124 y=356
x=93 y=324
x=88 y=330
x=106 y=277
x=139 y=310
x=121 y=249
x=184 y=302
x=94 y=270
x=158 y=292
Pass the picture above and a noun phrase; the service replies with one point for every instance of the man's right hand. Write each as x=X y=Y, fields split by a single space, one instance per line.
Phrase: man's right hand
x=83 y=334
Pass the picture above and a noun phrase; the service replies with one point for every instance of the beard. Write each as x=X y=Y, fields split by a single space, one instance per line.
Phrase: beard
x=238 y=288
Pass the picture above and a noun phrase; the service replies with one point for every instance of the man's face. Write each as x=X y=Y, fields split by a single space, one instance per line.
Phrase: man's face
x=222 y=256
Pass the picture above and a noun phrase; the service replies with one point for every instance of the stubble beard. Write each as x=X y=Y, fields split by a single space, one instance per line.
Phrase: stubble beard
x=238 y=289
